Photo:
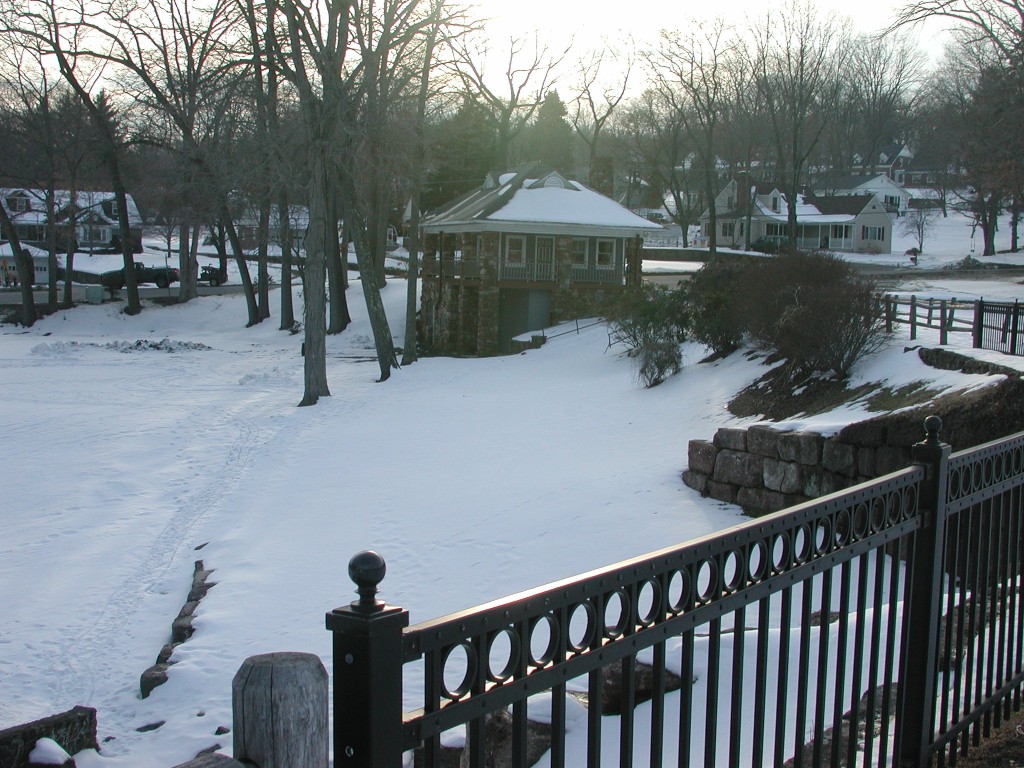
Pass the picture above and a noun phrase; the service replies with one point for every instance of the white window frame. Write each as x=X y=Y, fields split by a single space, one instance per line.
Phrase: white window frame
x=875 y=234
x=576 y=260
x=509 y=250
x=598 y=254
x=18 y=204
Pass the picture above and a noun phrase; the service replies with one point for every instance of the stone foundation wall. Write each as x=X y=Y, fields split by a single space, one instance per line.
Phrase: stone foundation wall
x=763 y=469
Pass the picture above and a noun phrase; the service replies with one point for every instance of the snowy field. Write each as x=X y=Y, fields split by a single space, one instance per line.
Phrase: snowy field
x=473 y=478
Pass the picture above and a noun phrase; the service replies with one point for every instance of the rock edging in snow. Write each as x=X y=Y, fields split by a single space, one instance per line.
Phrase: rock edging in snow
x=181 y=630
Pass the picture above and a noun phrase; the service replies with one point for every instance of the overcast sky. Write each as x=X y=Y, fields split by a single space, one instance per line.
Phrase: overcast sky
x=593 y=23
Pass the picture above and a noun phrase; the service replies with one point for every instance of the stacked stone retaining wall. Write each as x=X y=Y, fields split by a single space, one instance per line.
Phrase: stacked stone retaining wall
x=763 y=469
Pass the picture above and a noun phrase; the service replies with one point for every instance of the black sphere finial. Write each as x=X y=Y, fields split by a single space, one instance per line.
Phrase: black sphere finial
x=367 y=569
x=932 y=427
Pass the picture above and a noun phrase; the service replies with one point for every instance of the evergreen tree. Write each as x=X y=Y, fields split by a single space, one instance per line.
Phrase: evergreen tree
x=462 y=153
x=550 y=137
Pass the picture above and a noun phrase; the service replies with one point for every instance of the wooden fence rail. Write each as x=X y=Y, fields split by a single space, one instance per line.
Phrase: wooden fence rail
x=997 y=326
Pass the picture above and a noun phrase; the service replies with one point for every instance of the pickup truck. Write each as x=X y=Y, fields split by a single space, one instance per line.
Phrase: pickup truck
x=162 y=276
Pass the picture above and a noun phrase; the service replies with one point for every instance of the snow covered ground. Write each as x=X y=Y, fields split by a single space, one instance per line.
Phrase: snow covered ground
x=473 y=478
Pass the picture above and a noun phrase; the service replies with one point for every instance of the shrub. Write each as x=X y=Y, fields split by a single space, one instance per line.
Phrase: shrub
x=651 y=322
x=813 y=309
x=714 y=320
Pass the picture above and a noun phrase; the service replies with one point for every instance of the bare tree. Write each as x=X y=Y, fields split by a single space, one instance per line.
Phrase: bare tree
x=995 y=23
x=692 y=74
x=594 y=105
x=917 y=224
x=798 y=59
x=61 y=32
x=529 y=74
x=661 y=151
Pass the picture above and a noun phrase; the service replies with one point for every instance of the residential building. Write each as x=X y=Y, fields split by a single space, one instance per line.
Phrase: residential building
x=527 y=248
x=90 y=222
x=848 y=223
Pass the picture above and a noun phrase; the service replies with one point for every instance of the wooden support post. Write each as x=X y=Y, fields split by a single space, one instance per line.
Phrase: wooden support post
x=913 y=317
x=279 y=711
x=888 y=314
x=943 y=328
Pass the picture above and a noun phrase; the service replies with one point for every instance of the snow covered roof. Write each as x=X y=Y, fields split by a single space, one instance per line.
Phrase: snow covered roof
x=826 y=209
x=535 y=198
x=91 y=202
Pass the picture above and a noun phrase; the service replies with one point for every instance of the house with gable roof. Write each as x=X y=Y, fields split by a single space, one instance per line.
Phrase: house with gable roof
x=894 y=197
x=748 y=212
x=92 y=216
x=525 y=249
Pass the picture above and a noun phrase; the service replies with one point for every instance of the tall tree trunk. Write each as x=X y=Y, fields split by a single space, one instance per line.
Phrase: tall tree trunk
x=263 y=256
x=51 y=248
x=313 y=277
x=410 y=352
x=188 y=266
x=337 y=269
x=24 y=267
x=382 y=340
x=287 y=306
x=243 y=267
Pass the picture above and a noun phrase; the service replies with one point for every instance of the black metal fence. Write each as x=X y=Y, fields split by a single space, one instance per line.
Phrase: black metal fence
x=998 y=326
x=878 y=626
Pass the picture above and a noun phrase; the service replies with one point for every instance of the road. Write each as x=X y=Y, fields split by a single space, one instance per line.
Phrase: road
x=12 y=296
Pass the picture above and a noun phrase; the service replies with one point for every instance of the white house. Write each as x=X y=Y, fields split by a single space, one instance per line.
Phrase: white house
x=894 y=197
x=94 y=215
x=848 y=223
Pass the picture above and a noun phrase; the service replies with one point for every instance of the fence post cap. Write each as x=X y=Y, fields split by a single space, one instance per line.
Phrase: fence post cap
x=367 y=569
x=932 y=427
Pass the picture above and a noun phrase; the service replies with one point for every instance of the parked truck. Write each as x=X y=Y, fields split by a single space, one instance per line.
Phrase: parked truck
x=162 y=276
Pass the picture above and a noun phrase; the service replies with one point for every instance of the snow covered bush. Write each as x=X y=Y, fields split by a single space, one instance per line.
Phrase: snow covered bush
x=652 y=321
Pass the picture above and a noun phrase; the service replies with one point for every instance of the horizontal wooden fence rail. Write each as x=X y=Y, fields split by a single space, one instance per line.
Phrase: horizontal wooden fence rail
x=998 y=326
x=879 y=626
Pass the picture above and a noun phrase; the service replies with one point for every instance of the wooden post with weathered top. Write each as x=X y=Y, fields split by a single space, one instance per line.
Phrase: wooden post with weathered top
x=279 y=711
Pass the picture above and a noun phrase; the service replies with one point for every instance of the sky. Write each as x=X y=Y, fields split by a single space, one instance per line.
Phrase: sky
x=595 y=24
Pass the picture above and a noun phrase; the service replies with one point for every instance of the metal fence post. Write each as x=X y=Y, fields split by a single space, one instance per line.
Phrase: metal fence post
x=979 y=322
x=915 y=710
x=367 y=672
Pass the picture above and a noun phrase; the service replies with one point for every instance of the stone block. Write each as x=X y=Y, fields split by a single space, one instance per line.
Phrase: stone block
x=840 y=458
x=152 y=678
x=696 y=480
x=801 y=447
x=818 y=482
x=762 y=500
x=722 y=492
x=701 y=455
x=732 y=439
x=890 y=459
x=738 y=468
x=866 y=462
x=783 y=476
x=763 y=440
